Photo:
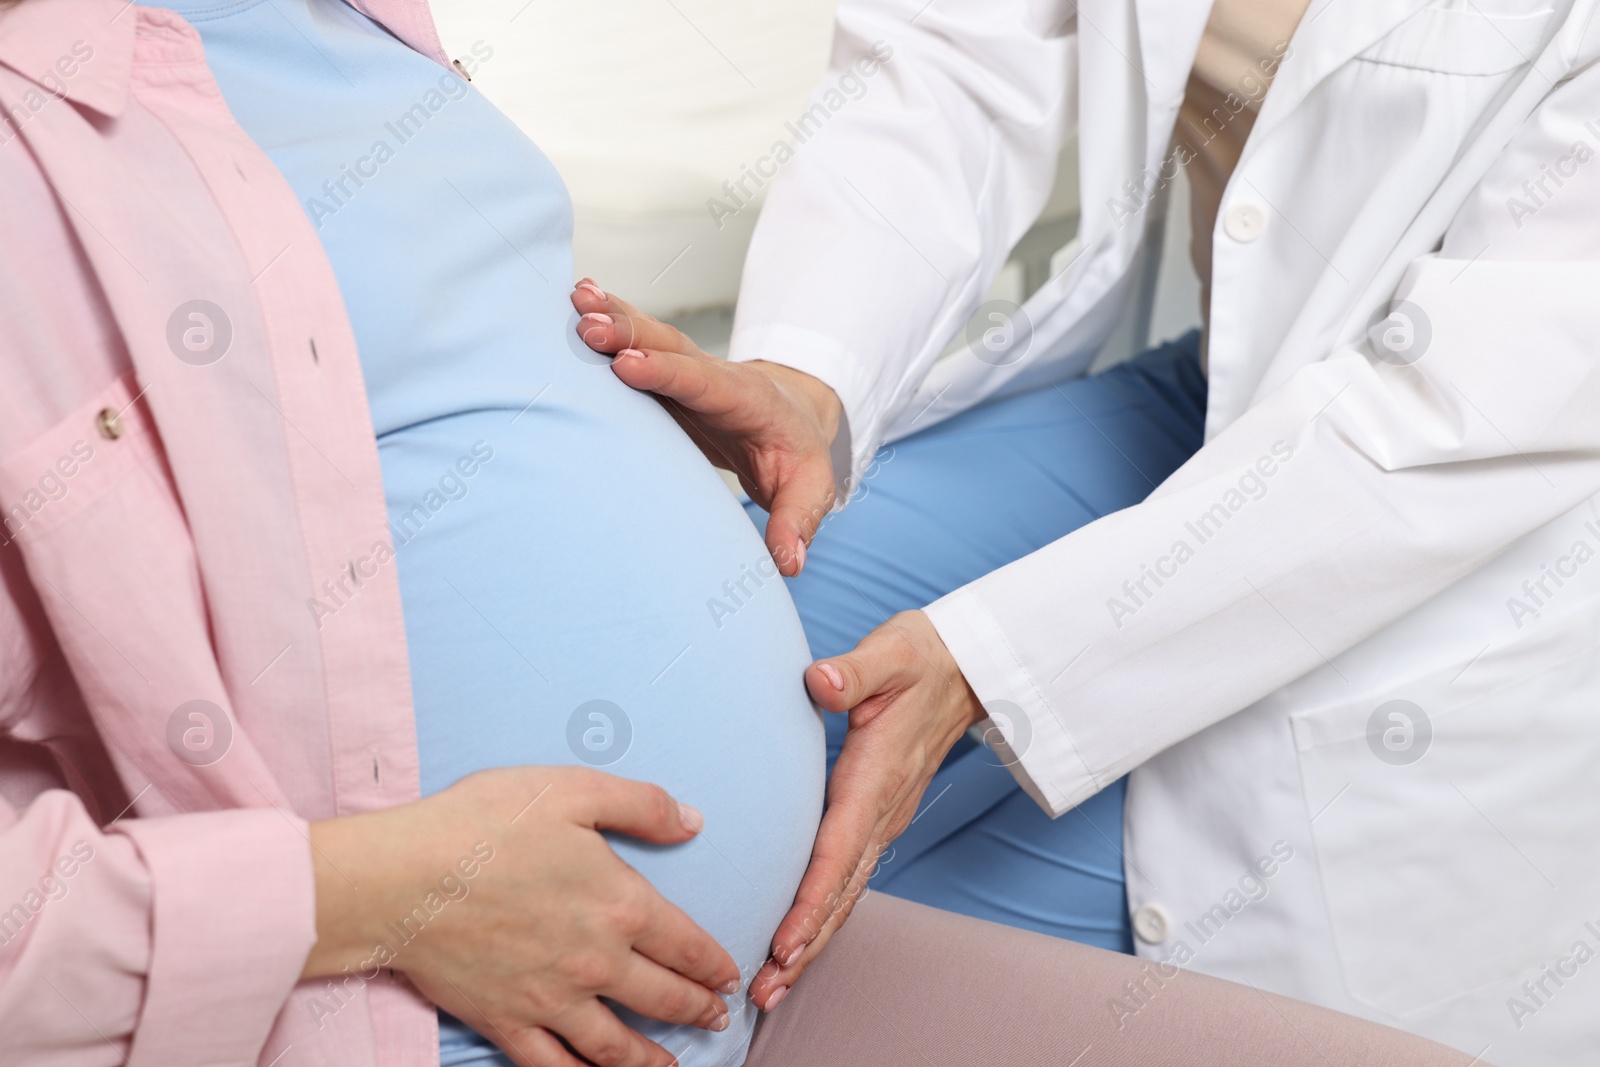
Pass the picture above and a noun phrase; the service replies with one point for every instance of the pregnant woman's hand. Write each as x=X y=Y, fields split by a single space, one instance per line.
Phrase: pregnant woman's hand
x=771 y=425
x=502 y=902
x=908 y=704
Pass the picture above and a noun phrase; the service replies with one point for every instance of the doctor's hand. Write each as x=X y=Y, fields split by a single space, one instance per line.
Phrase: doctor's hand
x=502 y=903
x=908 y=704
x=771 y=425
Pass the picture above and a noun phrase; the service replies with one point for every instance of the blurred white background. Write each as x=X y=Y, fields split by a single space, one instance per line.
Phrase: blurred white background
x=647 y=107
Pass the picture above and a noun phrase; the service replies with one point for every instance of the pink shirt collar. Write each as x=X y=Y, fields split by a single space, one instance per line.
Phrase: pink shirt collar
x=79 y=49
x=83 y=49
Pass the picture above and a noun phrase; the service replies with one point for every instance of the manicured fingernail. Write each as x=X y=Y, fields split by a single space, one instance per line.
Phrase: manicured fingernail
x=731 y=986
x=831 y=673
x=799 y=555
x=792 y=955
x=593 y=288
x=777 y=998
x=632 y=352
x=720 y=1023
x=693 y=821
x=598 y=316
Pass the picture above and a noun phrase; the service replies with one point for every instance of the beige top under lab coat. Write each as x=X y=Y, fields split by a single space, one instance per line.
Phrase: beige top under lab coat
x=1244 y=43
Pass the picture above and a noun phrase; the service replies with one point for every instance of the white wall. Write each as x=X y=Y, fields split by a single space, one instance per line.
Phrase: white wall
x=647 y=107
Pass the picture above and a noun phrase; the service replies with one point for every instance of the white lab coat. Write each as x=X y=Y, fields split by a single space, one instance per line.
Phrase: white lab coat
x=1358 y=530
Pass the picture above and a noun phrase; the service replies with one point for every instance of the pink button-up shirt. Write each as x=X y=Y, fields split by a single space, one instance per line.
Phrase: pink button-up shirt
x=178 y=481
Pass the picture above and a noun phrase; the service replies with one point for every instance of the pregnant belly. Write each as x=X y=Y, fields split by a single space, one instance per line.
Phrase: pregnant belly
x=580 y=588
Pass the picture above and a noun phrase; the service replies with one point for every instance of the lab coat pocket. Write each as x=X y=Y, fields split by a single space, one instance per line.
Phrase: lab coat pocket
x=1454 y=816
x=1463 y=39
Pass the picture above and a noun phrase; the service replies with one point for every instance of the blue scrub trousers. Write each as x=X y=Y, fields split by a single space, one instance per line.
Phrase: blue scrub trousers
x=946 y=506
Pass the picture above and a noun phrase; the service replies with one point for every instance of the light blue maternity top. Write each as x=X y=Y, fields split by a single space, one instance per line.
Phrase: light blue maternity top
x=578 y=584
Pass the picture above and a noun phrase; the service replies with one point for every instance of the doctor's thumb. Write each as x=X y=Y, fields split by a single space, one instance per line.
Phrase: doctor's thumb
x=796 y=511
x=887 y=660
x=829 y=684
x=840 y=683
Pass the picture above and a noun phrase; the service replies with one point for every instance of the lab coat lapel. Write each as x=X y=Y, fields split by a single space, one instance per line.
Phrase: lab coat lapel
x=1331 y=33
x=1169 y=37
x=1134 y=63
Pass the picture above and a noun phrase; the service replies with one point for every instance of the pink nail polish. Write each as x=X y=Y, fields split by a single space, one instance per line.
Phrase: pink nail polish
x=831 y=673
x=777 y=998
x=792 y=955
x=593 y=288
x=799 y=556
x=634 y=352
x=598 y=316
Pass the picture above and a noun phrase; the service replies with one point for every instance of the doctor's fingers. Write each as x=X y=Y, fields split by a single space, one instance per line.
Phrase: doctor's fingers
x=897 y=738
x=853 y=835
x=803 y=495
x=884 y=662
x=610 y=324
x=729 y=395
x=773 y=981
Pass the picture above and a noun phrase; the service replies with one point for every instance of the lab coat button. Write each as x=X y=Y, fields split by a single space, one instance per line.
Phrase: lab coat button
x=1151 y=924
x=1245 y=222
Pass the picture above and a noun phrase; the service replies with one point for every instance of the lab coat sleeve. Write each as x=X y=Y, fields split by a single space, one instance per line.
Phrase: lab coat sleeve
x=1339 y=502
x=929 y=149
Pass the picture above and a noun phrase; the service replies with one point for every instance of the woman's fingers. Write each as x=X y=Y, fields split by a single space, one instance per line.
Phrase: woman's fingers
x=667 y=935
x=560 y=922
x=658 y=993
x=601 y=1038
x=673 y=940
x=664 y=932
x=533 y=1046
x=638 y=809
